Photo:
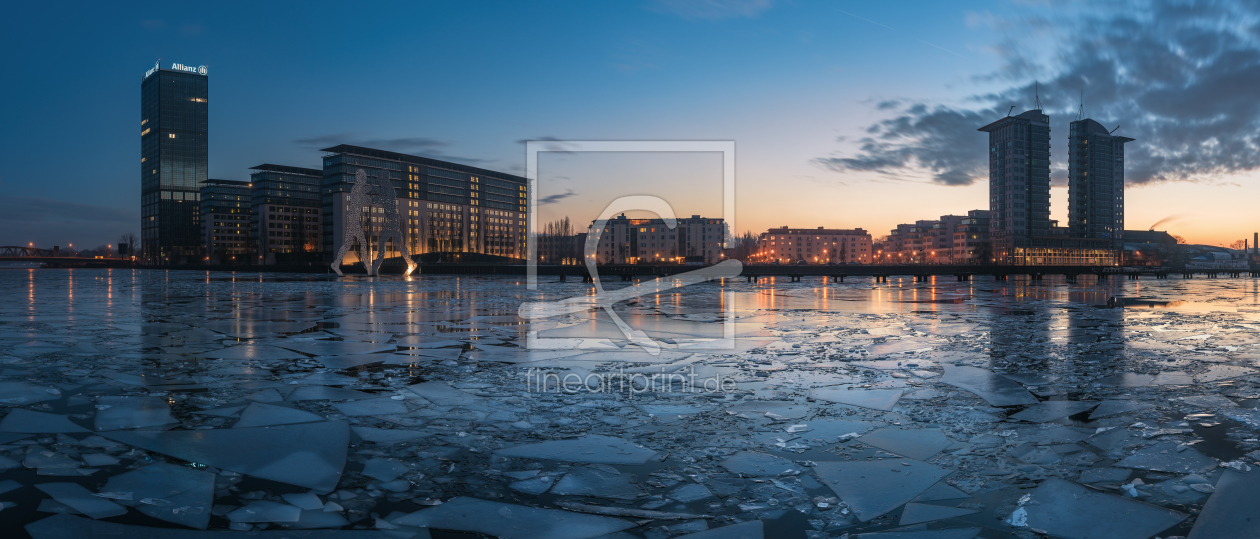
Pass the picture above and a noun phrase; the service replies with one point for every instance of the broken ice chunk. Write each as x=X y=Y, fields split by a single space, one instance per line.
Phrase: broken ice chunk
x=876 y=399
x=82 y=500
x=309 y=455
x=912 y=533
x=916 y=444
x=1050 y=410
x=590 y=449
x=265 y=511
x=941 y=491
x=387 y=436
x=508 y=520
x=114 y=413
x=997 y=390
x=23 y=393
x=1110 y=408
x=1165 y=456
x=755 y=464
x=385 y=469
x=916 y=513
x=187 y=494
x=320 y=393
x=691 y=492
x=598 y=481
x=1172 y=378
x=305 y=500
x=378 y=406
x=261 y=415
x=1066 y=509
x=872 y=488
x=23 y=420
x=753 y=529
x=1232 y=509
x=1104 y=475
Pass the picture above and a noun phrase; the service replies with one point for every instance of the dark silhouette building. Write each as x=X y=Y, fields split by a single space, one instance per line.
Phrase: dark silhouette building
x=174 y=124
x=1095 y=182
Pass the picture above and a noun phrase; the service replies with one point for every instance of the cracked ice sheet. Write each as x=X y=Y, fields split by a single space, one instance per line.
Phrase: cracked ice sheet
x=515 y=521
x=115 y=413
x=997 y=390
x=876 y=399
x=310 y=455
x=172 y=493
x=63 y=526
x=1066 y=509
x=1163 y=457
x=1050 y=410
x=873 y=488
x=916 y=444
x=594 y=449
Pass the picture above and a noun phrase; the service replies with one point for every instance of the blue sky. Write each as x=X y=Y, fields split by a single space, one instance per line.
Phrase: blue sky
x=797 y=85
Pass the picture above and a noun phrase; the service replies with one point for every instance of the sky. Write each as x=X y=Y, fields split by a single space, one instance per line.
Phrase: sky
x=844 y=114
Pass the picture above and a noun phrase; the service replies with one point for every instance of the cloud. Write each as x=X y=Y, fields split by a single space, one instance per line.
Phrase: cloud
x=552 y=199
x=1179 y=78
x=713 y=9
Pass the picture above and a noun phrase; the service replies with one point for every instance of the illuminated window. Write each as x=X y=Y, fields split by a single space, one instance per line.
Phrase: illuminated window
x=172 y=135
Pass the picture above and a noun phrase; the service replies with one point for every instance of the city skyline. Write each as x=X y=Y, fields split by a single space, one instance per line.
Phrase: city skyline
x=864 y=140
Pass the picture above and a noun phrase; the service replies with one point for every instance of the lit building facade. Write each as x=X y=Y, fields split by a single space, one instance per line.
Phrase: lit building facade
x=971 y=239
x=288 y=212
x=446 y=207
x=225 y=221
x=815 y=246
x=1095 y=182
x=174 y=126
x=645 y=241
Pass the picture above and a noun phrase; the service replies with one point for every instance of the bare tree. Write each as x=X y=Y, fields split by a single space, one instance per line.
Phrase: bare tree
x=557 y=243
x=131 y=241
x=1238 y=245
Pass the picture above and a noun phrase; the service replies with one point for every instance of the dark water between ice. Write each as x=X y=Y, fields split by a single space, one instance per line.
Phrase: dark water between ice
x=401 y=404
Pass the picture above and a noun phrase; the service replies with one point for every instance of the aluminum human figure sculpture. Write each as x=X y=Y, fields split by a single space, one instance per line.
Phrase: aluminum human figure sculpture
x=372 y=193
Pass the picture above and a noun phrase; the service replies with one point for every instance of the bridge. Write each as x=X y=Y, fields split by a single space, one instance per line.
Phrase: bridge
x=50 y=257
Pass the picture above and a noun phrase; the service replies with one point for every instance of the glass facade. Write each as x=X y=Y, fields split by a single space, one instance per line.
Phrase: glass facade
x=174 y=124
x=445 y=207
x=226 y=215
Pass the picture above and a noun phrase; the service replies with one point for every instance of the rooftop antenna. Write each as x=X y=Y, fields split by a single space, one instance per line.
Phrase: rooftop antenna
x=1114 y=130
x=1080 y=113
x=1008 y=113
x=1037 y=94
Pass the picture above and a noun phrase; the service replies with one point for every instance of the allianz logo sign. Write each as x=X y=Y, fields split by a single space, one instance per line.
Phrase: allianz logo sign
x=190 y=69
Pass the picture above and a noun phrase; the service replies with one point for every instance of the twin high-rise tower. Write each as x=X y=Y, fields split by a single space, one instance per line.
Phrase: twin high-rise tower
x=1019 y=192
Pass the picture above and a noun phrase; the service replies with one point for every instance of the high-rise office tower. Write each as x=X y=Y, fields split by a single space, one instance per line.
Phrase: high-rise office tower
x=1019 y=178
x=1095 y=182
x=173 y=161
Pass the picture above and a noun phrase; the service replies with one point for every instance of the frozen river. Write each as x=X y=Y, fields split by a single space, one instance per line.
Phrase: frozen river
x=161 y=404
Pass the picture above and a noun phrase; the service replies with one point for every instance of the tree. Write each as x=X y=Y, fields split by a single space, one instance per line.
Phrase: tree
x=132 y=241
x=1238 y=245
x=984 y=252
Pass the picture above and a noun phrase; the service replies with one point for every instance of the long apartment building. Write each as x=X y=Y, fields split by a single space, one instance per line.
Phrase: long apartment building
x=815 y=246
x=445 y=207
x=930 y=241
x=644 y=241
